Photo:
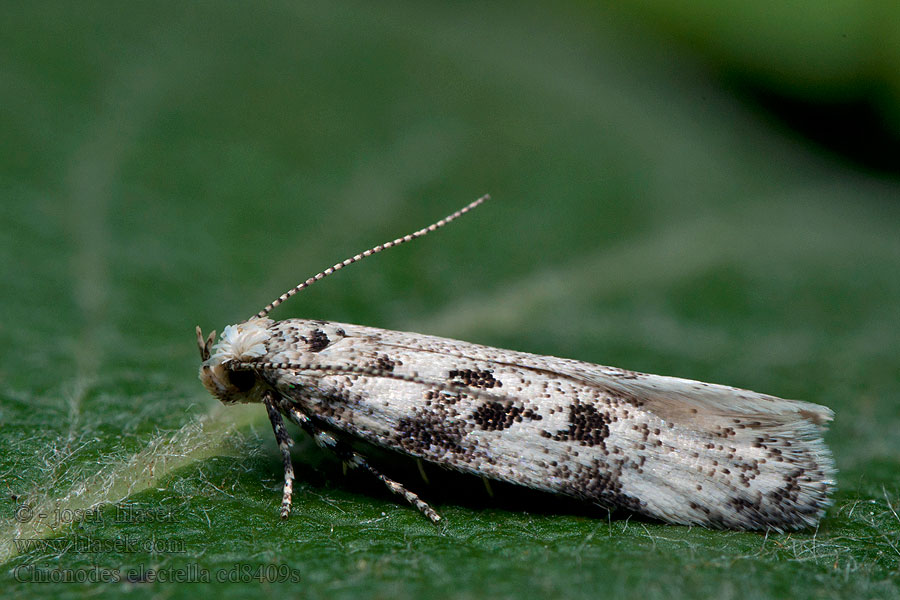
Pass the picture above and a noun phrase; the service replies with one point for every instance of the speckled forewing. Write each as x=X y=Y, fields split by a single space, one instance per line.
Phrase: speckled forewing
x=679 y=450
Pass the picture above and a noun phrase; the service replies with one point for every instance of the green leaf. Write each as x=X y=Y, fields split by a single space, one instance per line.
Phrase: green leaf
x=181 y=164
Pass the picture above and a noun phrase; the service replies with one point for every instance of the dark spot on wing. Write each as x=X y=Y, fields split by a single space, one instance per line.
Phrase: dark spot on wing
x=473 y=378
x=383 y=363
x=496 y=416
x=335 y=404
x=598 y=482
x=425 y=433
x=318 y=341
x=587 y=425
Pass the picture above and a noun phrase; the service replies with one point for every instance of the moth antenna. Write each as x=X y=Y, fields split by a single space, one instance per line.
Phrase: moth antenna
x=205 y=346
x=374 y=250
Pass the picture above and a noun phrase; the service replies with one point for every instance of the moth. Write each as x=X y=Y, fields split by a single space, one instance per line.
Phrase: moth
x=677 y=450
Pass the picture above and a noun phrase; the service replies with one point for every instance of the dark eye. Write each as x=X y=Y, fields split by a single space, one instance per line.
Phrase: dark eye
x=242 y=380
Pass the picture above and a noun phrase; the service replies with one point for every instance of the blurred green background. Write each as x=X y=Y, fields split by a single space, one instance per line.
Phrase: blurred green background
x=706 y=190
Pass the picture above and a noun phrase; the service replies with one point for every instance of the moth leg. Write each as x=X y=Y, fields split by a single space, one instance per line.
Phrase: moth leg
x=358 y=461
x=284 y=444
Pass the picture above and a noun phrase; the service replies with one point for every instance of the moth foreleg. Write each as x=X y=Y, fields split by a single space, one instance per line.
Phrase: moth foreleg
x=284 y=444
x=358 y=461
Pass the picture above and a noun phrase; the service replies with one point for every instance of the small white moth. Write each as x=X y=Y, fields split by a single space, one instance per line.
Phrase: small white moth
x=673 y=449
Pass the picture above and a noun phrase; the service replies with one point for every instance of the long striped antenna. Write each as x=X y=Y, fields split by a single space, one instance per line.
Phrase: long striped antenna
x=401 y=240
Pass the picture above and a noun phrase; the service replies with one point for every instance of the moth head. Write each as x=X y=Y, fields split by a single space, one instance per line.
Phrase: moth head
x=223 y=371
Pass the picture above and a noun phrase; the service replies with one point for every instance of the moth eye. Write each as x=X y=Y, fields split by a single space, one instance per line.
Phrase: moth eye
x=242 y=380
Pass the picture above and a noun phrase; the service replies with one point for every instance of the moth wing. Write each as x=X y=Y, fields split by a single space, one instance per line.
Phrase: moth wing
x=686 y=401
x=729 y=457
